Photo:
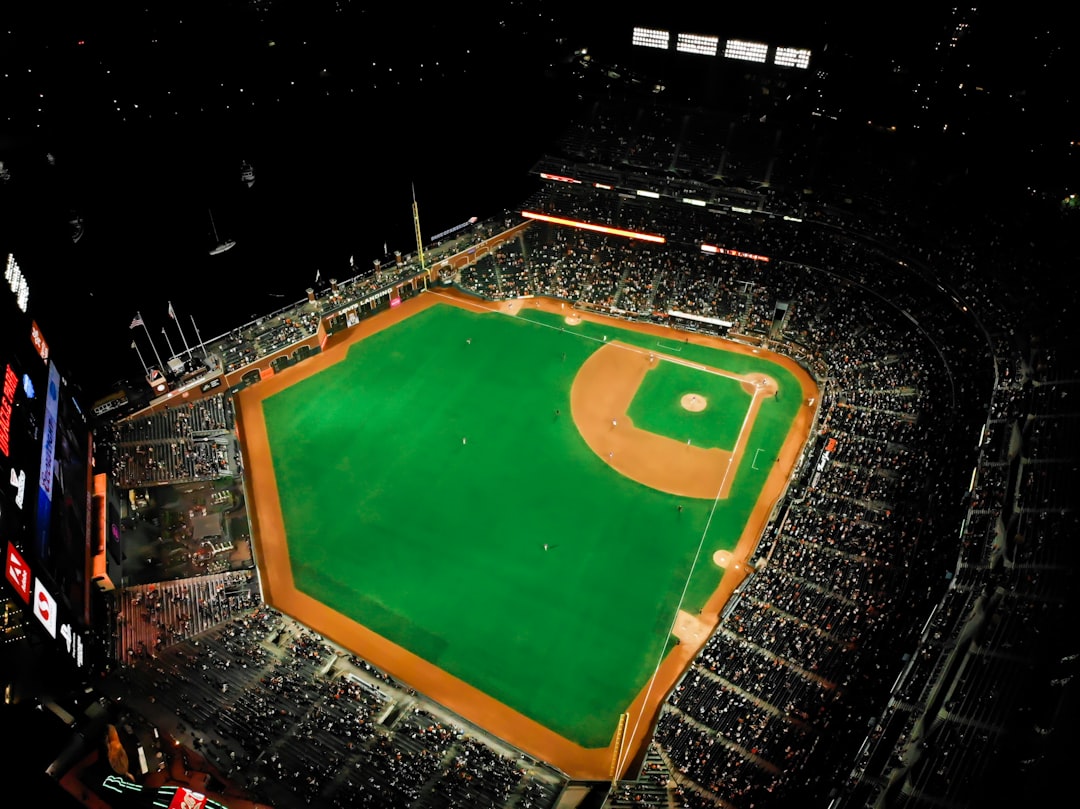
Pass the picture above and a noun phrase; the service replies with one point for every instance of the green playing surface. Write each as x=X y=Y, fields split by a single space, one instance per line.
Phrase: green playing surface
x=421 y=478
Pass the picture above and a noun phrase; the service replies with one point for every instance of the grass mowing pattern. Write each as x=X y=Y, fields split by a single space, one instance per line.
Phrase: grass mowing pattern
x=438 y=545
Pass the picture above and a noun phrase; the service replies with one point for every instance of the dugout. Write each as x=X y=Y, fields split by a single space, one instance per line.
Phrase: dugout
x=305 y=351
x=279 y=364
x=349 y=316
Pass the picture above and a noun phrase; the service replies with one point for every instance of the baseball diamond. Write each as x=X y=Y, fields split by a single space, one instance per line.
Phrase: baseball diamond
x=531 y=513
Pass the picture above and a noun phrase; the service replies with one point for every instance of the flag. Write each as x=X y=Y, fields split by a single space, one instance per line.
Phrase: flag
x=317 y=274
x=133 y=344
x=172 y=313
x=136 y=321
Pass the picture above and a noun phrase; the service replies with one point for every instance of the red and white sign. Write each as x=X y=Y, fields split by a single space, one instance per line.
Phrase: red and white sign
x=17 y=572
x=21 y=577
x=186 y=799
x=39 y=341
x=45 y=607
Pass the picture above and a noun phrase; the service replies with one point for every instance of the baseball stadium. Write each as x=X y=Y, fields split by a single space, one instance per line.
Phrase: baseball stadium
x=718 y=471
x=505 y=492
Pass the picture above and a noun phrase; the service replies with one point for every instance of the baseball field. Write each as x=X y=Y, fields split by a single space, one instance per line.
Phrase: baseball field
x=531 y=514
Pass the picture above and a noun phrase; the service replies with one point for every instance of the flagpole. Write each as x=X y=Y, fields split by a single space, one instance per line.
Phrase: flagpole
x=168 y=342
x=161 y=365
x=172 y=314
x=206 y=356
x=146 y=370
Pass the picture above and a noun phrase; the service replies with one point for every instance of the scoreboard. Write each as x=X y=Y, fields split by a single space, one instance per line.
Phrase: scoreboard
x=45 y=479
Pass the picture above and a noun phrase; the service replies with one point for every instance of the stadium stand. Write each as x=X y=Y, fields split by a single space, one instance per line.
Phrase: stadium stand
x=901 y=634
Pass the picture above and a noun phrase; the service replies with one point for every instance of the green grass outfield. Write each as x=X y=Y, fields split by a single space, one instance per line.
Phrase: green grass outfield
x=438 y=545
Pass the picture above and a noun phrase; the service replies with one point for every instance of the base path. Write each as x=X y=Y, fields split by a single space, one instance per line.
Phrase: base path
x=600 y=398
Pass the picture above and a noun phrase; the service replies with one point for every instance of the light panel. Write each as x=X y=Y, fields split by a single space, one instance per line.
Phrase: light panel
x=697 y=43
x=651 y=38
x=792 y=57
x=746 y=51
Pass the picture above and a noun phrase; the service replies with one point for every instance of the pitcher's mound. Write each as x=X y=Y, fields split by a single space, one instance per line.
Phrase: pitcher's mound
x=693 y=401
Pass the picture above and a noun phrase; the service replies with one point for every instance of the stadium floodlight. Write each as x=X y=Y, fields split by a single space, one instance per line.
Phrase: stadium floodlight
x=698 y=202
x=558 y=178
x=792 y=57
x=746 y=51
x=651 y=38
x=574 y=223
x=650 y=194
x=697 y=43
x=727 y=251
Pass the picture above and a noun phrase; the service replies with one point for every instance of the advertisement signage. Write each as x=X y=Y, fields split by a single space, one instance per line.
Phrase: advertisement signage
x=18 y=573
x=45 y=607
x=48 y=457
x=45 y=440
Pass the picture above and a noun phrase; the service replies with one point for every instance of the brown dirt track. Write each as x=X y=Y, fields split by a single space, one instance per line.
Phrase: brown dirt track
x=601 y=393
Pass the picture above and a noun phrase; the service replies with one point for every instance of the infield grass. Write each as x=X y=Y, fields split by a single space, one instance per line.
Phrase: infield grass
x=421 y=478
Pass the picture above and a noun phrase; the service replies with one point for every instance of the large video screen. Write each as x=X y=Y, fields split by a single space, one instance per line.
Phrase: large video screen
x=45 y=466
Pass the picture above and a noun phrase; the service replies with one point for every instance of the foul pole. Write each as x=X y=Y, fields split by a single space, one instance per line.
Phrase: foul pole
x=619 y=746
x=419 y=238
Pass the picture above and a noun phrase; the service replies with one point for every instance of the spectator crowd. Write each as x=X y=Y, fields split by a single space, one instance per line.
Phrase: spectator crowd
x=854 y=663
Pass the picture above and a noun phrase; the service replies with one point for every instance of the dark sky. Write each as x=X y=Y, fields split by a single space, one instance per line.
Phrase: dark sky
x=346 y=109
x=344 y=118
